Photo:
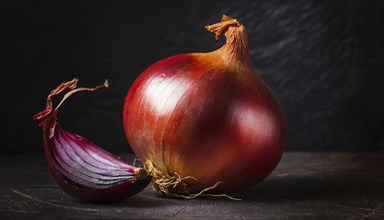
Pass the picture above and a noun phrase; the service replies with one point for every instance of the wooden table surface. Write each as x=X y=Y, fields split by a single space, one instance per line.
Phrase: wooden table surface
x=303 y=186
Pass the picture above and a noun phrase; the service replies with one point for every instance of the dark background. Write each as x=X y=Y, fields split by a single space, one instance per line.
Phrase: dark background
x=323 y=59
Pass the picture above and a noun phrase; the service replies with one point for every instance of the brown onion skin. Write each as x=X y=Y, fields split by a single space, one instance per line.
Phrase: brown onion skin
x=202 y=115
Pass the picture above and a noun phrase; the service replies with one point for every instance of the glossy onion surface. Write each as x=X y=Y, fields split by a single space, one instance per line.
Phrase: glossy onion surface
x=207 y=115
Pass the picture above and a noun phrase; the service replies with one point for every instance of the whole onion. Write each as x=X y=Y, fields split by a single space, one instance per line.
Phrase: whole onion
x=205 y=121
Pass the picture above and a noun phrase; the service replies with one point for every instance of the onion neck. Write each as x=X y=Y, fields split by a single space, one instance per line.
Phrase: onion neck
x=235 y=50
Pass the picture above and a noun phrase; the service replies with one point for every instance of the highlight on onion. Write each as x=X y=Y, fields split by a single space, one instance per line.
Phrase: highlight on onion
x=205 y=123
x=82 y=169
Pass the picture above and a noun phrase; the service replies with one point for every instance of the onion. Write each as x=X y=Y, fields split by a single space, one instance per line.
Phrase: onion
x=205 y=121
x=82 y=169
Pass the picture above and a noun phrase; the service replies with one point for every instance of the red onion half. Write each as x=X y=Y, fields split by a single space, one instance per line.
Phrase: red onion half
x=204 y=121
x=82 y=169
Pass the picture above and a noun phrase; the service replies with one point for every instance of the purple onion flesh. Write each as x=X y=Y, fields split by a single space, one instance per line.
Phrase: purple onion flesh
x=82 y=169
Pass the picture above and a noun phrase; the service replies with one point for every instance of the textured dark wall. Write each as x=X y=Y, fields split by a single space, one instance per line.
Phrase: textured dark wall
x=324 y=60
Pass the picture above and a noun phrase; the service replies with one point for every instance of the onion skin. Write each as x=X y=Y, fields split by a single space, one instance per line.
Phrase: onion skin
x=82 y=169
x=207 y=115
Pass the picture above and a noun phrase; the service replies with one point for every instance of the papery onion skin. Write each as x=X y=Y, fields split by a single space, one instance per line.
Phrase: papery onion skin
x=82 y=169
x=207 y=115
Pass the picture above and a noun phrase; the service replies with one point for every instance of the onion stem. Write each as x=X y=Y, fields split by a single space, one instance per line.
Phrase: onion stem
x=67 y=95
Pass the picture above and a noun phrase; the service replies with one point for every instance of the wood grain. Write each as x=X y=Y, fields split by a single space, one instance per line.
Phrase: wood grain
x=303 y=186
